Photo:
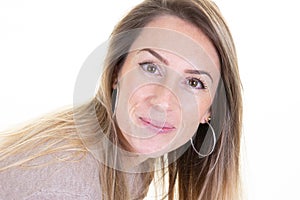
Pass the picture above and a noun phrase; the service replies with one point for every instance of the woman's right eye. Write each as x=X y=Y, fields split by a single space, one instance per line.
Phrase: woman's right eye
x=150 y=68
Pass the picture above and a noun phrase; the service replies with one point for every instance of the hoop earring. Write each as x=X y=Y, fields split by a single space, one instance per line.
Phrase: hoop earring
x=214 y=142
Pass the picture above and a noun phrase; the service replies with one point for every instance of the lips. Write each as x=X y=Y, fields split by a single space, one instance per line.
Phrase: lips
x=157 y=126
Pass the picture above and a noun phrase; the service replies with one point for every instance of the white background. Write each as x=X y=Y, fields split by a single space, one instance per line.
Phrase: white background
x=44 y=43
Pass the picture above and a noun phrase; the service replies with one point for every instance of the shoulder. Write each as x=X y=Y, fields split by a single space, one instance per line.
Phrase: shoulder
x=76 y=178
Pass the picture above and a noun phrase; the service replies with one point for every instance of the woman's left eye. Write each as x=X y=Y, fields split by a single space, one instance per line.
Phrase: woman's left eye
x=195 y=83
x=150 y=68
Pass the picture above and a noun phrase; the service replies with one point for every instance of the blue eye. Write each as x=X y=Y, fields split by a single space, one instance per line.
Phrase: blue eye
x=150 y=68
x=195 y=83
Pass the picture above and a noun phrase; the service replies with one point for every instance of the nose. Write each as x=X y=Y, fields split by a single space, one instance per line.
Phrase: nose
x=163 y=99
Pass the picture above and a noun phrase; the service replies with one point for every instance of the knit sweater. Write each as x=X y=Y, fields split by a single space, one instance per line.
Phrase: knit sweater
x=65 y=180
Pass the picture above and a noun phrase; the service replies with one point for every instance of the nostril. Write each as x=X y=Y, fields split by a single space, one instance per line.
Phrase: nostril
x=157 y=113
x=157 y=110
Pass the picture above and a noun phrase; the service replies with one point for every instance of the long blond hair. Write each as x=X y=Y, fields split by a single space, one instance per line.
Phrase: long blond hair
x=216 y=176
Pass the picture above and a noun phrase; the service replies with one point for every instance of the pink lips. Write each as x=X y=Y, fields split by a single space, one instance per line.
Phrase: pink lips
x=158 y=127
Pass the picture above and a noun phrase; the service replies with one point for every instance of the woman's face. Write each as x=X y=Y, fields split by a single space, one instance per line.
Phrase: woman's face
x=166 y=86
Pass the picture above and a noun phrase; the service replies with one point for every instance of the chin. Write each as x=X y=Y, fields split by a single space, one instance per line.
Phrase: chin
x=153 y=147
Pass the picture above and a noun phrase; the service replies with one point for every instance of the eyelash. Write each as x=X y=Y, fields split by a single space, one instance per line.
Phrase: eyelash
x=145 y=65
x=199 y=81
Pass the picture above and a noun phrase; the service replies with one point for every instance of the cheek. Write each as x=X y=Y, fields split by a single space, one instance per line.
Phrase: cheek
x=139 y=95
x=139 y=100
x=191 y=118
x=204 y=107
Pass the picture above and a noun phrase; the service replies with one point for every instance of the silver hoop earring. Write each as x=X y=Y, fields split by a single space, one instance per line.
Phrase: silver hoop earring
x=214 y=142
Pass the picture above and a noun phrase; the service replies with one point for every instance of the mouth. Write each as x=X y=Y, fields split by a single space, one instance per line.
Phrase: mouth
x=157 y=126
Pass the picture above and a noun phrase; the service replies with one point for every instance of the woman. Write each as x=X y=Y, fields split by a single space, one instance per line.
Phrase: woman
x=167 y=112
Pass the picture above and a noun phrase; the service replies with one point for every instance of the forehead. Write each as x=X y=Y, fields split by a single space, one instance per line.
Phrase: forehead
x=188 y=30
x=175 y=36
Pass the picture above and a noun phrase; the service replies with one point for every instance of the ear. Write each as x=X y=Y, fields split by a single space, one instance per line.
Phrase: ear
x=205 y=117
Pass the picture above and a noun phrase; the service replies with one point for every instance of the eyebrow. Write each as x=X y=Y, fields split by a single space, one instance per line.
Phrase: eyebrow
x=155 y=54
x=188 y=71
x=192 y=71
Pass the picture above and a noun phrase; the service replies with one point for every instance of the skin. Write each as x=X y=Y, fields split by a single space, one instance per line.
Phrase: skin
x=157 y=108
